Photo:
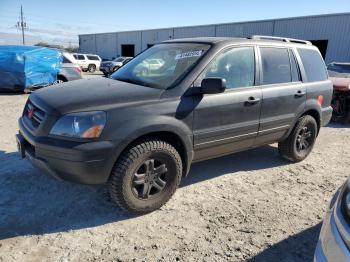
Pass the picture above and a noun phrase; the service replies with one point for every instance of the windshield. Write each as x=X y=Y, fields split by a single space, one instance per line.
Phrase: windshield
x=163 y=65
x=339 y=70
x=119 y=59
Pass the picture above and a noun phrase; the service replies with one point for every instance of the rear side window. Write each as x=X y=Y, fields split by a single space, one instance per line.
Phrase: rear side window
x=314 y=65
x=92 y=57
x=275 y=65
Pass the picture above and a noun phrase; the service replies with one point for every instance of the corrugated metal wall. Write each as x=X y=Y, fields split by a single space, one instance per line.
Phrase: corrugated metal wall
x=106 y=45
x=334 y=28
x=150 y=37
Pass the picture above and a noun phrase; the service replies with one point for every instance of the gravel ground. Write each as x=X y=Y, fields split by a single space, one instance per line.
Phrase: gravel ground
x=247 y=206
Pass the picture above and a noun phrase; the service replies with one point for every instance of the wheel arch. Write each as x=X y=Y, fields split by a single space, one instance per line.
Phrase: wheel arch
x=59 y=76
x=179 y=141
x=316 y=115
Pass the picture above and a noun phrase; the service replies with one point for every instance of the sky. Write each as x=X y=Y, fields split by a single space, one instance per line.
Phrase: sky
x=61 y=21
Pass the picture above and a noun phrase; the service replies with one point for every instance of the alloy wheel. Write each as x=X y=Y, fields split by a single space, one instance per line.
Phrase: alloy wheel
x=150 y=179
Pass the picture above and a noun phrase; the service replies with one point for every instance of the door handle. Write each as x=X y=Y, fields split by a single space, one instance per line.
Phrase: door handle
x=300 y=93
x=252 y=101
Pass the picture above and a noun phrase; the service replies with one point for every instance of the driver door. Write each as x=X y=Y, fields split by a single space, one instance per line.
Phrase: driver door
x=228 y=121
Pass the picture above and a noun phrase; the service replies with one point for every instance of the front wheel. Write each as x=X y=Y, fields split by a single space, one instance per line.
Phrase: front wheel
x=298 y=145
x=146 y=176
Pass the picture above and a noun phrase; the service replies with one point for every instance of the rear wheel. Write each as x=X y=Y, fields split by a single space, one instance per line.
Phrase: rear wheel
x=146 y=176
x=298 y=145
x=91 y=68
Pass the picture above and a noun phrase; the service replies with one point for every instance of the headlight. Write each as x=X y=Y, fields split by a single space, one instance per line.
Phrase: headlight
x=82 y=125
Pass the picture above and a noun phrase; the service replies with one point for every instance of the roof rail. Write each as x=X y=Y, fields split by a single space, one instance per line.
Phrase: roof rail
x=283 y=39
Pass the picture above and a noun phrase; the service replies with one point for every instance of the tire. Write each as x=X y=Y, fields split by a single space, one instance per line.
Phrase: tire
x=298 y=145
x=137 y=180
x=91 y=68
x=59 y=80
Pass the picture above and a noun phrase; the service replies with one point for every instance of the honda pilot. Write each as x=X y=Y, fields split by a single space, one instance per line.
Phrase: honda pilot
x=139 y=130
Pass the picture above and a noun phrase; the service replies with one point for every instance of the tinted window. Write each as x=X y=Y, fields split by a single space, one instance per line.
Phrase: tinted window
x=314 y=66
x=119 y=59
x=275 y=65
x=92 y=57
x=80 y=57
x=294 y=67
x=236 y=65
x=66 y=60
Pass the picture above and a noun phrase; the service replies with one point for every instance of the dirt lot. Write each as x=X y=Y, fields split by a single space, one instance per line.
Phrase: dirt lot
x=247 y=206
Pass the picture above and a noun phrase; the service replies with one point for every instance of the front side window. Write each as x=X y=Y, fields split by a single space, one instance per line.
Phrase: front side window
x=236 y=65
x=275 y=65
x=163 y=65
x=314 y=65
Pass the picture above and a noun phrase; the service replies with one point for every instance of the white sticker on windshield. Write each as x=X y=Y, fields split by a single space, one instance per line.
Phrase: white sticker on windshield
x=189 y=54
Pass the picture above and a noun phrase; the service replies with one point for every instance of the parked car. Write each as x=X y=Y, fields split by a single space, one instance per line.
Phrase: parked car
x=109 y=67
x=339 y=73
x=334 y=240
x=139 y=133
x=149 y=66
x=70 y=70
x=88 y=62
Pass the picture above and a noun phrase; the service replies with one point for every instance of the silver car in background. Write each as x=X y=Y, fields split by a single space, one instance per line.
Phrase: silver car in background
x=69 y=71
x=334 y=241
x=109 y=67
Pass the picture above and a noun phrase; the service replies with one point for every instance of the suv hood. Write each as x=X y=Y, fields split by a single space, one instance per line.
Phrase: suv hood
x=90 y=94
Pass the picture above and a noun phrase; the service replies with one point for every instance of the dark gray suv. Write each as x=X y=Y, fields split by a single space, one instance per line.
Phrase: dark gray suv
x=140 y=131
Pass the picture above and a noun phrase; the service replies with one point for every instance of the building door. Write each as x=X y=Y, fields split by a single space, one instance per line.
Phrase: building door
x=128 y=50
x=321 y=45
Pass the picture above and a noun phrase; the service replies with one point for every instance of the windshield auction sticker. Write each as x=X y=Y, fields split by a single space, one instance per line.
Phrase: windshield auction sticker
x=189 y=54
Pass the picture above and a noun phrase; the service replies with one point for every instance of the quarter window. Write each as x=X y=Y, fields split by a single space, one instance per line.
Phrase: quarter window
x=275 y=65
x=235 y=65
x=314 y=65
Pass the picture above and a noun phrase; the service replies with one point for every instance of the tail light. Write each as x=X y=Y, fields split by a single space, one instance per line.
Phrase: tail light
x=320 y=100
x=78 y=69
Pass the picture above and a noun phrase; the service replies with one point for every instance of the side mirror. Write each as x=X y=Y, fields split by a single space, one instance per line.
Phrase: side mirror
x=213 y=85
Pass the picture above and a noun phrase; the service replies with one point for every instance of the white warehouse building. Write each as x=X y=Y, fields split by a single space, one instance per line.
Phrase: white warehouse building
x=330 y=33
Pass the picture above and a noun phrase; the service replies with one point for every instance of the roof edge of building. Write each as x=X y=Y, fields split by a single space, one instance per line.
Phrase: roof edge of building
x=227 y=23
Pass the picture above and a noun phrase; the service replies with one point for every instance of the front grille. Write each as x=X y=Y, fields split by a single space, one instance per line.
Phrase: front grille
x=33 y=115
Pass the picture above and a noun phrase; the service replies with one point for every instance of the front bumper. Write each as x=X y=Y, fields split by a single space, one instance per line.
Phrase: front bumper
x=326 y=115
x=80 y=162
x=330 y=245
x=104 y=69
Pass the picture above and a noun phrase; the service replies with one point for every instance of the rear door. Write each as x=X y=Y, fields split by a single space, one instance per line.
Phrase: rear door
x=284 y=95
x=229 y=121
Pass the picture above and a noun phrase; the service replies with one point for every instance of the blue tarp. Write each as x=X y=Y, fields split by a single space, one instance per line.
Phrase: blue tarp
x=24 y=67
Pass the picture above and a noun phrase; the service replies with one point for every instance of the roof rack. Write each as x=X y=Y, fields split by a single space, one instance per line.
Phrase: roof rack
x=283 y=39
